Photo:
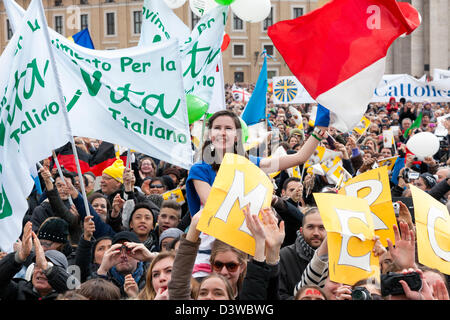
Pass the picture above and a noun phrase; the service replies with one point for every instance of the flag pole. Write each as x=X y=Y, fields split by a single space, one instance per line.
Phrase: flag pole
x=61 y=174
x=63 y=106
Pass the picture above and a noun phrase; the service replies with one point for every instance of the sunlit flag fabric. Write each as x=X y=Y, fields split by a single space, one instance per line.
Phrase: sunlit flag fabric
x=255 y=111
x=338 y=51
x=83 y=38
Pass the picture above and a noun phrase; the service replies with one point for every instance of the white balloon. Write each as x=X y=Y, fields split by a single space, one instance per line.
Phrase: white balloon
x=200 y=7
x=173 y=4
x=251 y=10
x=423 y=144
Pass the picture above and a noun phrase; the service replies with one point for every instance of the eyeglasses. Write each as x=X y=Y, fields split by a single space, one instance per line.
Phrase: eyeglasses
x=231 y=266
x=153 y=186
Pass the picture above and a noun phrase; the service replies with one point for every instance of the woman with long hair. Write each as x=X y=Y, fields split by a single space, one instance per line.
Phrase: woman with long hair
x=225 y=135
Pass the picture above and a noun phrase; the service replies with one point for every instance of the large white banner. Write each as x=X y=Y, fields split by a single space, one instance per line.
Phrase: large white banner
x=288 y=90
x=31 y=119
x=132 y=97
x=410 y=88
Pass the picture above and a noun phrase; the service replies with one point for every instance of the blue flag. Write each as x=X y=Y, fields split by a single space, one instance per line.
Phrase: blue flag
x=83 y=38
x=255 y=111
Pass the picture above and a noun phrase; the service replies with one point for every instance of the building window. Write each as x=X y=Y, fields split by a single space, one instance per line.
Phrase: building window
x=59 y=24
x=268 y=21
x=238 y=24
x=272 y=73
x=194 y=20
x=238 y=50
x=58 y=3
x=297 y=12
x=83 y=1
x=238 y=76
x=84 y=21
x=9 y=32
x=269 y=49
x=110 y=23
x=137 y=21
x=109 y=1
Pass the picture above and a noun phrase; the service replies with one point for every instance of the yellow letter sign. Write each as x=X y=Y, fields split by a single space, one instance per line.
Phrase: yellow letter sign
x=374 y=186
x=238 y=183
x=350 y=234
x=433 y=230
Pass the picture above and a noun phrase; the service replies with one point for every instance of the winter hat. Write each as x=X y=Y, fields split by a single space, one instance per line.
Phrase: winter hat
x=170 y=233
x=116 y=170
x=128 y=236
x=57 y=258
x=54 y=229
x=429 y=179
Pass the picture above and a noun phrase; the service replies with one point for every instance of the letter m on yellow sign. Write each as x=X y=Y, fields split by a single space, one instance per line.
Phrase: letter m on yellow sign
x=238 y=183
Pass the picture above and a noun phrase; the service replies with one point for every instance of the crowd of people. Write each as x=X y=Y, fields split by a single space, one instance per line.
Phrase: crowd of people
x=134 y=243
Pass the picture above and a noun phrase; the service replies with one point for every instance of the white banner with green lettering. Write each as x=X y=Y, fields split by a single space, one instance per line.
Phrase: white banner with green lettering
x=31 y=119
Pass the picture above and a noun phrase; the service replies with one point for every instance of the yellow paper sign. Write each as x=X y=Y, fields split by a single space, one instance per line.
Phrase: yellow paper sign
x=362 y=126
x=433 y=230
x=316 y=157
x=238 y=183
x=374 y=186
x=388 y=162
x=350 y=233
x=175 y=194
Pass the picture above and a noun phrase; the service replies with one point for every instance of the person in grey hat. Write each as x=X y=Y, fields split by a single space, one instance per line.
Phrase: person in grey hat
x=167 y=236
x=49 y=277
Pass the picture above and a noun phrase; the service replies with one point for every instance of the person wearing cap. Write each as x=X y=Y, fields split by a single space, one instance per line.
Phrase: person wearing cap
x=57 y=204
x=425 y=182
x=54 y=235
x=125 y=264
x=48 y=277
x=120 y=181
x=167 y=236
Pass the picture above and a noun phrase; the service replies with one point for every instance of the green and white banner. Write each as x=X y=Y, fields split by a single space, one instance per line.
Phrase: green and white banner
x=160 y=23
x=31 y=119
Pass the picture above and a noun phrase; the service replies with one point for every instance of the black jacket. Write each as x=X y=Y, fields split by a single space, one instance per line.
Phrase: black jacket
x=20 y=289
x=293 y=262
x=292 y=217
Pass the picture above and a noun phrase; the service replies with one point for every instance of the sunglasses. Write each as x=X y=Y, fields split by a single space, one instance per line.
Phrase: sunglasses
x=231 y=266
x=153 y=186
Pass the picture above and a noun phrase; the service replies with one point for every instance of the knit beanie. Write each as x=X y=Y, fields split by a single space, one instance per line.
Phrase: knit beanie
x=54 y=229
x=116 y=170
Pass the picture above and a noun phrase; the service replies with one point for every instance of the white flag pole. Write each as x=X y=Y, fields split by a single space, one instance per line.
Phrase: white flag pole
x=63 y=105
x=61 y=174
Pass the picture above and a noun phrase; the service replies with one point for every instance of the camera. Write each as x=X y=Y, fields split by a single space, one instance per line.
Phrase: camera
x=361 y=293
x=396 y=208
x=390 y=284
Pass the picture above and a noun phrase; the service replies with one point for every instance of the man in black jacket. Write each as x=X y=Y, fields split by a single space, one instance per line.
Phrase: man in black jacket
x=49 y=276
x=295 y=258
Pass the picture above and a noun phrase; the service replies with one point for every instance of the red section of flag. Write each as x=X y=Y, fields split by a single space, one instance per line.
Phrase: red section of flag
x=225 y=42
x=333 y=43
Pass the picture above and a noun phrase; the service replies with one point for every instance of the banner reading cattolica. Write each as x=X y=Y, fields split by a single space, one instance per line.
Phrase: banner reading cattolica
x=433 y=231
x=350 y=234
x=31 y=122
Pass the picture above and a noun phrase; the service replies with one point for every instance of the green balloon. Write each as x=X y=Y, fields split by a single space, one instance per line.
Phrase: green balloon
x=244 y=131
x=196 y=108
x=225 y=2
